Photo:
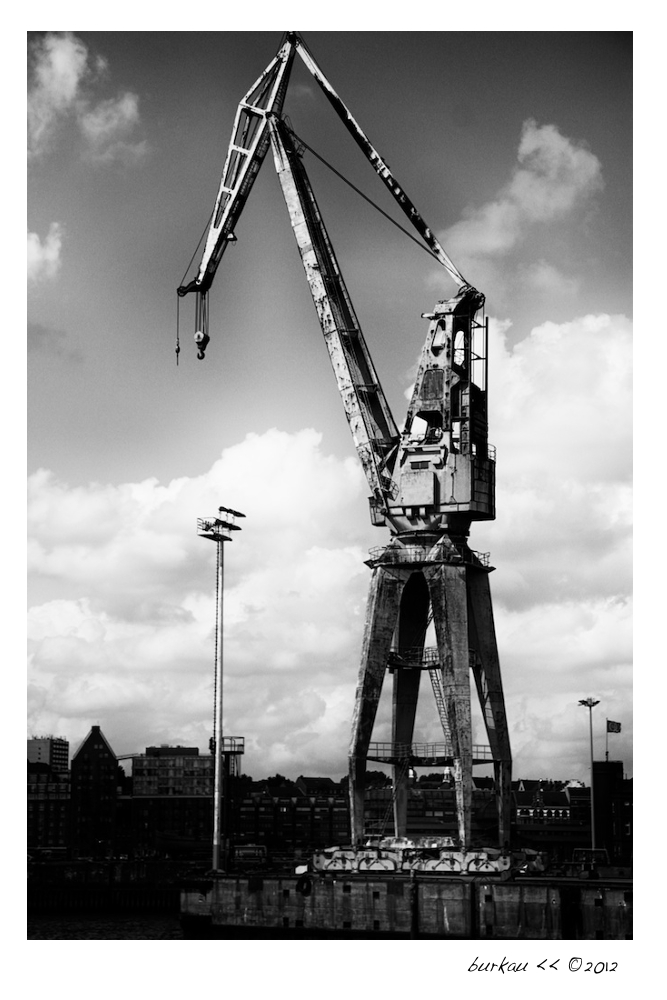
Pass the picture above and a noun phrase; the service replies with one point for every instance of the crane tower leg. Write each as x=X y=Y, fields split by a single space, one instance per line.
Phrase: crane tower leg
x=382 y=612
x=455 y=587
x=486 y=671
x=409 y=644
x=447 y=585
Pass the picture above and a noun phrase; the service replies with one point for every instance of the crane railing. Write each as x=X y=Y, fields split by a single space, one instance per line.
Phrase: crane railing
x=425 y=659
x=394 y=752
x=407 y=554
x=393 y=555
x=483 y=557
x=415 y=656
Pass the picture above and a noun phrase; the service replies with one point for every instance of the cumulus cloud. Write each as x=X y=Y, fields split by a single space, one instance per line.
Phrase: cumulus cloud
x=547 y=279
x=560 y=401
x=142 y=613
x=561 y=418
x=59 y=64
x=44 y=255
x=107 y=128
x=63 y=79
x=553 y=175
x=129 y=644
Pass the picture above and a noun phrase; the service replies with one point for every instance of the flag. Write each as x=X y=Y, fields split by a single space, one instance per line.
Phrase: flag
x=613 y=727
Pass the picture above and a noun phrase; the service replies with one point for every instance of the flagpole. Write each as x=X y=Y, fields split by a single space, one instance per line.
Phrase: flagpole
x=606 y=744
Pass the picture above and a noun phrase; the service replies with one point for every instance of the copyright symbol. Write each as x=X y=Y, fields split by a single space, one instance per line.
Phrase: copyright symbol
x=574 y=964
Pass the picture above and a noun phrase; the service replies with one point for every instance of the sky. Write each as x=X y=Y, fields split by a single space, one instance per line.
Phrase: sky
x=516 y=148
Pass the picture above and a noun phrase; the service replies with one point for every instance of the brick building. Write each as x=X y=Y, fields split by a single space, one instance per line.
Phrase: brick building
x=48 y=825
x=302 y=815
x=94 y=780
x=168 y=809
x=551 y=818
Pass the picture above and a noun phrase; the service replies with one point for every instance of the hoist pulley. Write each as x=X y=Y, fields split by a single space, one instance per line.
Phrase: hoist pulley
x=201 y=324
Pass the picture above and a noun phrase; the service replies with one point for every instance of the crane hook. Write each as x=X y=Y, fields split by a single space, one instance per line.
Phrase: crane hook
x=201 y=340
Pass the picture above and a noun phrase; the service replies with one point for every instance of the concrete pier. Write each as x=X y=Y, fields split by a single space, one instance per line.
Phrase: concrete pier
x=414 y=905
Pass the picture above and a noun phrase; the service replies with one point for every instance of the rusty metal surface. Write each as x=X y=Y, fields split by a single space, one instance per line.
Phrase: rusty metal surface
x=373 y=428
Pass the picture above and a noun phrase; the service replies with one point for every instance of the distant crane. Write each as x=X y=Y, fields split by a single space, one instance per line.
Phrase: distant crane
x=428 y=482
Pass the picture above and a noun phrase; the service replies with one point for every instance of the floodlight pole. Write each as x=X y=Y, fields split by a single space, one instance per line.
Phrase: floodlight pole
x=590 y=704
x=214 y=528
x=219 y=778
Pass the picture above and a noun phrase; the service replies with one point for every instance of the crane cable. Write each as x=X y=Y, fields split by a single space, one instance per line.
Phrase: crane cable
x=346 y=181
x=178 y=298
x=178 y=337
x=364 y=196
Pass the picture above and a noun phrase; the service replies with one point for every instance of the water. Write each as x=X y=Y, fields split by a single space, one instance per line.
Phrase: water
x=104 y=927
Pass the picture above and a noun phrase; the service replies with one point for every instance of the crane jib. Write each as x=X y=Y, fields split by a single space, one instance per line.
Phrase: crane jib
x=258 y=124
x=249 y=144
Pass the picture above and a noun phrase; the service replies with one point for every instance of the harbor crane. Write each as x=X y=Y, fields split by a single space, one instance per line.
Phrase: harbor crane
x=428 y=481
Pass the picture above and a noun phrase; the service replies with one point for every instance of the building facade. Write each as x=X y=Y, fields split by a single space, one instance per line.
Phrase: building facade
x=48 y=820
x=172 y=771
x=169 y=807
x=94 y=780
x=612 y=805
x=51 y=750
x=165 y=807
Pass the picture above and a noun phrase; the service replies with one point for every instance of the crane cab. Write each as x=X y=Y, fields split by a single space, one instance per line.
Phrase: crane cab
x=445 y=464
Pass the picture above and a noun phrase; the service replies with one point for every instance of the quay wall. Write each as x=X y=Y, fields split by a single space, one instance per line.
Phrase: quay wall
x=439 y=907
